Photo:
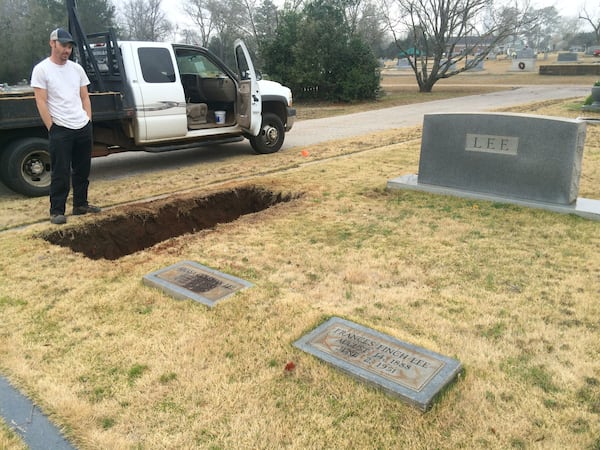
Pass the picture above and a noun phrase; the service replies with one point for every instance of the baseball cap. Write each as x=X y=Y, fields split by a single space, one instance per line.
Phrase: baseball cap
x=61 y=35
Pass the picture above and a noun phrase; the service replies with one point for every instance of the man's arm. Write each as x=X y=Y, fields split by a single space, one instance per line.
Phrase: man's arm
x=41 y=101
x=85 y=100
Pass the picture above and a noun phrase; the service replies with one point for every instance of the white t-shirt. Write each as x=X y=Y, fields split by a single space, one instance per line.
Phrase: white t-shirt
x=63 y=83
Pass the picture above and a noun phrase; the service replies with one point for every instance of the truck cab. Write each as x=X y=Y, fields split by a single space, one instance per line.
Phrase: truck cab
x=182 y=92
x=185 y=93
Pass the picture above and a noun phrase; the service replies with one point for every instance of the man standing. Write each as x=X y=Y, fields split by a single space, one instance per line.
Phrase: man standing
x=62 y=99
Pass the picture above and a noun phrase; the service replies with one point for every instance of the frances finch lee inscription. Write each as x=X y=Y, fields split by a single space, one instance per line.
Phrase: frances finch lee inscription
x=414 y=374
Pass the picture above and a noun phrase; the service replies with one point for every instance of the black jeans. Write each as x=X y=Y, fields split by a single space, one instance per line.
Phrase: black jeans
x=70 y=157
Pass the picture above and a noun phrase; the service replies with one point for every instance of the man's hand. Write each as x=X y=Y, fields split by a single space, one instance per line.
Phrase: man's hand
x=41 y=101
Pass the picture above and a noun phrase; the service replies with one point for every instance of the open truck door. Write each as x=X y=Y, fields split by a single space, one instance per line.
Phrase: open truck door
x=249 y=114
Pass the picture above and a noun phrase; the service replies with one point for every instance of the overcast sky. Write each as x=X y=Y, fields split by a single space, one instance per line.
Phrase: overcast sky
x=567 y=8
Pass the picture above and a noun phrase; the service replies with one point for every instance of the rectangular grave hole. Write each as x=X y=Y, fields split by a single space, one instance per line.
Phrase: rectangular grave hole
x=144 y=225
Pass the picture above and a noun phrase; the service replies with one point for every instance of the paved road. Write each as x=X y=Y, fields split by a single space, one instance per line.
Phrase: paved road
x=318 y=130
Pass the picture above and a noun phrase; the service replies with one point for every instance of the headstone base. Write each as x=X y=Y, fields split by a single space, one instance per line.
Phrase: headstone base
x=583 y=207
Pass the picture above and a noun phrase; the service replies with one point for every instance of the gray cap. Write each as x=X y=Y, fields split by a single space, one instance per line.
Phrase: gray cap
x=61 y=35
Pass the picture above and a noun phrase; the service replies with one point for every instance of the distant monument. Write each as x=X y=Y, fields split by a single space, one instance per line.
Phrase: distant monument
x=403 y=63
x=567 y=57
x=524 y=61
x=477 y=67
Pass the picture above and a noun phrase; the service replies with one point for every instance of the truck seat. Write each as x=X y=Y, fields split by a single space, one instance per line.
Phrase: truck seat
x=196 y=115
x=192 y=88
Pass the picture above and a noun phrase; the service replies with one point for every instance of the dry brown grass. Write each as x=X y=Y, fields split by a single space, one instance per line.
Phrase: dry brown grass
x=511 y=292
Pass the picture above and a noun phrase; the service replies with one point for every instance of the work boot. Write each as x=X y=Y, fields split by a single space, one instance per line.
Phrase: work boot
x=79 y=210
x=58 y=219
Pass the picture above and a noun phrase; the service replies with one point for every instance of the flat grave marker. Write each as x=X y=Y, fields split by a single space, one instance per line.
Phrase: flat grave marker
x=190 y=280
x=567 y=57
x=414 y=374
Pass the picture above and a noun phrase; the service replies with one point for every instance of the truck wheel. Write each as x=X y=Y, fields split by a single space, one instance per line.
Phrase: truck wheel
x=270 y=138
x=25 y=167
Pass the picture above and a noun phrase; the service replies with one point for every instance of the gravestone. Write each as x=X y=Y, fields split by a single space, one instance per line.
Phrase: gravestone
x=568 y=57
x=190 y=280
x=477 y=67
x=524 y=159
x=414 y=374
x=526 y=53
x=403 y=63
x=523 y=65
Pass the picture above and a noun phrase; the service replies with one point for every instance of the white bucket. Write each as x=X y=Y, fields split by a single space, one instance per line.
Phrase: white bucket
x=220 y=117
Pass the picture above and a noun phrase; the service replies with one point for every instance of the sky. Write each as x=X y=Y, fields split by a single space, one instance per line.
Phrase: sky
x=566 y=8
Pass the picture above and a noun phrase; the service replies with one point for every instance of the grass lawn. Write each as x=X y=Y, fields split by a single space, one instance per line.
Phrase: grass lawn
x=511 y=292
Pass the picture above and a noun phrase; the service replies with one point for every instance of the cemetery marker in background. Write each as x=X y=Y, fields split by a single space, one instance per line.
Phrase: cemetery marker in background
x=190 y=280
x=414 y=374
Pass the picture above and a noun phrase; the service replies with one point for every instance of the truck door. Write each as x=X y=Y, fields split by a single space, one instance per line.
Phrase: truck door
x=250 y=105
x=162 y=112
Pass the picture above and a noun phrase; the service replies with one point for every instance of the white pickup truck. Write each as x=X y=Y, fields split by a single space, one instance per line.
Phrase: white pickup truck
x=149 y=96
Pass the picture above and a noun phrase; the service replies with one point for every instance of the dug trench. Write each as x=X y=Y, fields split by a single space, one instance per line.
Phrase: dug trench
x=129 y=229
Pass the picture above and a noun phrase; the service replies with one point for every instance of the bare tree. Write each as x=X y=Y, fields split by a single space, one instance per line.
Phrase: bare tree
x=294 y=5
x=544 y=23
x=447 y=37
x=200 y=13
x=366 y=20
x=144 y=20
x=592 y=20
x=220 y=21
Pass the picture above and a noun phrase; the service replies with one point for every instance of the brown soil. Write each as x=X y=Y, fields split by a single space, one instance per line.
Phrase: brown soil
x=135 y=227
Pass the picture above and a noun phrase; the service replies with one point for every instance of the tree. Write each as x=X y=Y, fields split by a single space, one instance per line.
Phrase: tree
x=229 y=22
x=279 y=55
x=451 y=36
x=200 y=13
x=29 y=22
x=316 y=54
x=96 y=15
x=144 y=20
x=593 y=21
x=543 y=24
x=219 y=23
x=266 y=22
x=366 y=20
x=568 y=35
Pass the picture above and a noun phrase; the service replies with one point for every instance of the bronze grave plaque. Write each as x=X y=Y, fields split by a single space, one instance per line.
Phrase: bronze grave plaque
x=190 y=280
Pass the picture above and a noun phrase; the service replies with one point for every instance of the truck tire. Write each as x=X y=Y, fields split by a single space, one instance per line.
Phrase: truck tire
x=270 y=138
x=25 y=167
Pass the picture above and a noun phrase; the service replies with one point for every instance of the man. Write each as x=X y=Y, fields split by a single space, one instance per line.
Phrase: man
x=62 y=99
